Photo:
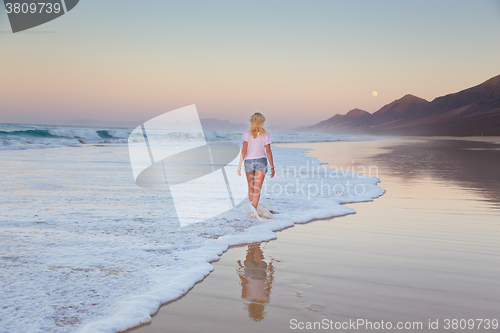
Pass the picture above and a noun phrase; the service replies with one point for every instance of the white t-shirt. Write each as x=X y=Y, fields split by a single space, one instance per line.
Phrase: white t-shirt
x=256 y=146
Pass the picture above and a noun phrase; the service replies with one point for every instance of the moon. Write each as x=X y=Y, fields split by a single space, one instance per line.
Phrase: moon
x=374 y=93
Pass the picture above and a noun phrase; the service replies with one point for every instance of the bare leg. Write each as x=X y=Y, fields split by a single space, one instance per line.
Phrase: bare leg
x=250 y=180
x=258 y=255
x=257 y=186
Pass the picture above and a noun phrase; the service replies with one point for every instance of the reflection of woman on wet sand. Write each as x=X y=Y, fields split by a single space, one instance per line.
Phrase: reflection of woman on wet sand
x=256 y=280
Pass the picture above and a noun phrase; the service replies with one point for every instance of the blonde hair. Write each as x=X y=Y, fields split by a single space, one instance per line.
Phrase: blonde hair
x=257 y=125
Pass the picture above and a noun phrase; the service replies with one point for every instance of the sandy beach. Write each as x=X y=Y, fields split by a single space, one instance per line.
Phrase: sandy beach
x=425 y=253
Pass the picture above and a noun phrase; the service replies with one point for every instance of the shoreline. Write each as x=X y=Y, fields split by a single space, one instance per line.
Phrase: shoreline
x=113 y=291
x=221 y=261
x=465 y=165
x=243 y=245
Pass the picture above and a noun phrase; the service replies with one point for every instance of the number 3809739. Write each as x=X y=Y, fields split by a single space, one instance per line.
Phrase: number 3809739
x=40 y=7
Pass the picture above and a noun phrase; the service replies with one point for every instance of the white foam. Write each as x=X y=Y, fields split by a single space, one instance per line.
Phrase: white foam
x=85 y=250
x=118 y=133
x=80 y=133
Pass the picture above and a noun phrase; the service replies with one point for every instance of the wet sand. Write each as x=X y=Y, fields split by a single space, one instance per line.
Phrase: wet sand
x=426 y=250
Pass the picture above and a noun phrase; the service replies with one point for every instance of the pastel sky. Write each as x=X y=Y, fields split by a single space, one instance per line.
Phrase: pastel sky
x=298 y=62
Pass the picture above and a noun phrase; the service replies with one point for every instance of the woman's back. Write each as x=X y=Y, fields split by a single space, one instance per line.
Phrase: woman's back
x=256 y=153
x=256 y=146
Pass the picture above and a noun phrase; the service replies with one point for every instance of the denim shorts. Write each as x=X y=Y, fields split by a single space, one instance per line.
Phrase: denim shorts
x=258 y=164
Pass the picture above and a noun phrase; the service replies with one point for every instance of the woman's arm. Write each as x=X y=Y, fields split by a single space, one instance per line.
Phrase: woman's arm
x=270 y=158
x=242 y=156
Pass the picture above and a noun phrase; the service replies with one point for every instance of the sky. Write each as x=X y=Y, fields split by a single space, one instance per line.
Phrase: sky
x=297 y=62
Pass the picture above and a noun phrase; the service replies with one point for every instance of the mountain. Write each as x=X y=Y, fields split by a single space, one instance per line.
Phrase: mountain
x=470 y=112
x=406 y=107
x=338 y=121
x=212 y=124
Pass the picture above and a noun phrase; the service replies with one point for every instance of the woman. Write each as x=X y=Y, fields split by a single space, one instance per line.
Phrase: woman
x=256 y=278
x=256 y=145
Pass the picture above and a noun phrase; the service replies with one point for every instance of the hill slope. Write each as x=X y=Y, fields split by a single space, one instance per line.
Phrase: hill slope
x=473 y=111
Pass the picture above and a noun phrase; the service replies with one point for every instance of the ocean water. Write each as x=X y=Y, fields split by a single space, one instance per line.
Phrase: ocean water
x=84 y=249
x=18 y=136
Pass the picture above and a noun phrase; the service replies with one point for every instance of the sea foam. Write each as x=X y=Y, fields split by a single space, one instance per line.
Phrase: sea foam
x=86 y=250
